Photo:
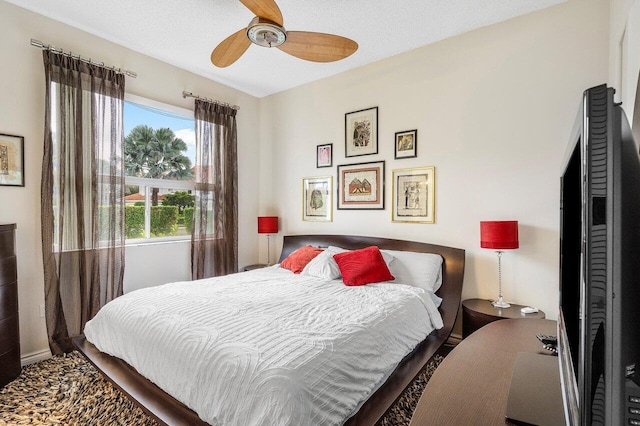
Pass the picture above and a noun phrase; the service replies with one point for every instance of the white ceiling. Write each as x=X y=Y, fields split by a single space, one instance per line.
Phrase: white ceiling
x=183 y=33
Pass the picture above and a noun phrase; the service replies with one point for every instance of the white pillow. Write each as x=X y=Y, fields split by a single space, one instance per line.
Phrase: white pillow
x=324 y=265
x=335 y=249
x=422 y=270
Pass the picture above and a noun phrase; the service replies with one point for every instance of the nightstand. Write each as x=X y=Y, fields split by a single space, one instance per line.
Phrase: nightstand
x=477 y=313
x=256 y=266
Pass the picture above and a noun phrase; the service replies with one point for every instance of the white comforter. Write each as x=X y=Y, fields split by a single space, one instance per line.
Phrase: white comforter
x=266 y=347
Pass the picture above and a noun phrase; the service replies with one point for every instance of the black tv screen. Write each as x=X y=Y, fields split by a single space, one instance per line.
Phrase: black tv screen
x=571 y=279
x=599 y=320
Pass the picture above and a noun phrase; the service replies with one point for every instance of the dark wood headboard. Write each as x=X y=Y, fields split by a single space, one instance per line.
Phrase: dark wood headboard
x=450 y=292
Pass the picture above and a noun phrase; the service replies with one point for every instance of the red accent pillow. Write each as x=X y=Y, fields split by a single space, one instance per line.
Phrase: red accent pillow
x=364 y=266
x=297 y=260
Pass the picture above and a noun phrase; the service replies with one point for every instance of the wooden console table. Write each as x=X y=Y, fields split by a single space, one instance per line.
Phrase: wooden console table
x=471 y=386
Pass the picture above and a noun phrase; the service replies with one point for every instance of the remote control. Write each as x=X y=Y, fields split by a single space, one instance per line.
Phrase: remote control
x=529 y=310
x=547 y=340
x=549 y=343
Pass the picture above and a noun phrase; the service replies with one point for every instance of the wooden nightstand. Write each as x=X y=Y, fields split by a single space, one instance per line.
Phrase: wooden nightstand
x=256 y=266
x=477 y=313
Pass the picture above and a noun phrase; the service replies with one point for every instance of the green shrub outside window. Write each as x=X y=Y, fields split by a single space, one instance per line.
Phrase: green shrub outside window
x=188 y=218
x=134 y=221
x=164 y=221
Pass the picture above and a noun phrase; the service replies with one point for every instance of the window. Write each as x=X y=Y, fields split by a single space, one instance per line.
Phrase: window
x=159 y=163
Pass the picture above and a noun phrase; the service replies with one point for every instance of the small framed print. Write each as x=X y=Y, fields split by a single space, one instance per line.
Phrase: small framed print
x=361 y=186
x=324 y=155
x=317 y=193
x=413 y=195
x=406 y=145
x=361 y=132
x=11 y=160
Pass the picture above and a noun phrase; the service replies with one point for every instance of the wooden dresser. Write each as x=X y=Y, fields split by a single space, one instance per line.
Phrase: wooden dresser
x=9 y=333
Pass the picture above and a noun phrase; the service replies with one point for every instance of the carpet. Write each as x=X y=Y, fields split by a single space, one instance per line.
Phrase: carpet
x=68 y=390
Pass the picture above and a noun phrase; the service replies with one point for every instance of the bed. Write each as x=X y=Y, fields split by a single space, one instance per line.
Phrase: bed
x=167 y=410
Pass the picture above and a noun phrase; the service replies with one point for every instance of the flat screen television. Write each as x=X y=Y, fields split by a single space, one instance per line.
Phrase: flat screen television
x=599 y=316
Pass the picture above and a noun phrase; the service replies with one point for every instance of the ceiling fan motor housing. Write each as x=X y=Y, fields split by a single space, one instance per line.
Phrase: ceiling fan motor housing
x=266 y=33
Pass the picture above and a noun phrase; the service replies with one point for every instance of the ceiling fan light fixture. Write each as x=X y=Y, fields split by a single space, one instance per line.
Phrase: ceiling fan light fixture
x=267 y=30
x=266 y=33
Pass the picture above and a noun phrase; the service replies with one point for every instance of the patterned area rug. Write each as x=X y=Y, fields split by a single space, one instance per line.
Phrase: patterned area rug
x=68 y=390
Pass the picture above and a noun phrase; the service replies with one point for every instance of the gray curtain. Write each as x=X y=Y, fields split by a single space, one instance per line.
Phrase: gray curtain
x=214 y=241
x=82 y=194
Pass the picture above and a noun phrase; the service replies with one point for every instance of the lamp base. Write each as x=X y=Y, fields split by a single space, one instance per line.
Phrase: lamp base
x=500 y=303
x=268 y=250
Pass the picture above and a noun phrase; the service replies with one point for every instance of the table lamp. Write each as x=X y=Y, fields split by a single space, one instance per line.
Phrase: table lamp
x=268 y=225
x=499 y=235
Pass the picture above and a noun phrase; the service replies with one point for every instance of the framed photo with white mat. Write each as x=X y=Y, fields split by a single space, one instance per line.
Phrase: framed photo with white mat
x=361 y=132
x=361 y=186
x=413 y=195
x=317 y=199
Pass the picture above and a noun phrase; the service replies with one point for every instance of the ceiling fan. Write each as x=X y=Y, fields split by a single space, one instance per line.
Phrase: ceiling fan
x=267 y=30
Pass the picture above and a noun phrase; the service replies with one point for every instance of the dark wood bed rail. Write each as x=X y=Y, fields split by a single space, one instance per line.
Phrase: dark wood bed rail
x=168 y=411
x=155 y=402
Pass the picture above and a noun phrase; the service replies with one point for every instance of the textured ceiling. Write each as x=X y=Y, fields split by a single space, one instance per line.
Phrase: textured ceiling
x=184 y=33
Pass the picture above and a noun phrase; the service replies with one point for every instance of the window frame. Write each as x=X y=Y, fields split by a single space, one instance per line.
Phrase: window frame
x=150 y=183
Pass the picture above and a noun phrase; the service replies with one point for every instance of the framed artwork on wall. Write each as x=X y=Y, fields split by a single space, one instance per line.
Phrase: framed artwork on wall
x=361 y=186
x=11 y=160
x=317 y=203
x=406 y=144
x=324 y=155
x=413 y=195
x=361 y=132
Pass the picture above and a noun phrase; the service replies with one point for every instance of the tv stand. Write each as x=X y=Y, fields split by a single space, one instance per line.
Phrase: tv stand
x=535 y=396
x=471 y=386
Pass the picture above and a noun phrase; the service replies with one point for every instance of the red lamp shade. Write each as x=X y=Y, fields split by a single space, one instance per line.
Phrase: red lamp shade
x=499 y=235
x=267 y=224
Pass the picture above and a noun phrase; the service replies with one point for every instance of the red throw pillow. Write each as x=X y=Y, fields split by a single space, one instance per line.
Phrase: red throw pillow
x=365 y=266
x=297 y=260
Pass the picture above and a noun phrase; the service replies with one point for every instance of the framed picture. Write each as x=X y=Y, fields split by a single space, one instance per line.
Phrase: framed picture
x=413 y=195
x=11 y=160
x=406 y=145
x=361 y=186
x=324 y=155
x=361 y=132
x=317 y=193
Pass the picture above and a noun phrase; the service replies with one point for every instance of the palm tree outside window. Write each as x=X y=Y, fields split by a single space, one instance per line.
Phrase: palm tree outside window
x=156 y=154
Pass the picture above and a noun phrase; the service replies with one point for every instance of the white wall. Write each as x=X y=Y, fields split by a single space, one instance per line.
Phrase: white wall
x=493 y=109
x=22 y=113
x=618 y=16
x=628 y=60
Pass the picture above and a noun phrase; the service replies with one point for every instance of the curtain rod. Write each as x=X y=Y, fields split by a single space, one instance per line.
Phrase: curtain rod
x=202 y=98
x=43 y=46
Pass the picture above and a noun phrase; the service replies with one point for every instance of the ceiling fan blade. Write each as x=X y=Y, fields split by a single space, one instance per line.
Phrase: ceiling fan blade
x=230 y=49
x=265 y=9
x=318 y=47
